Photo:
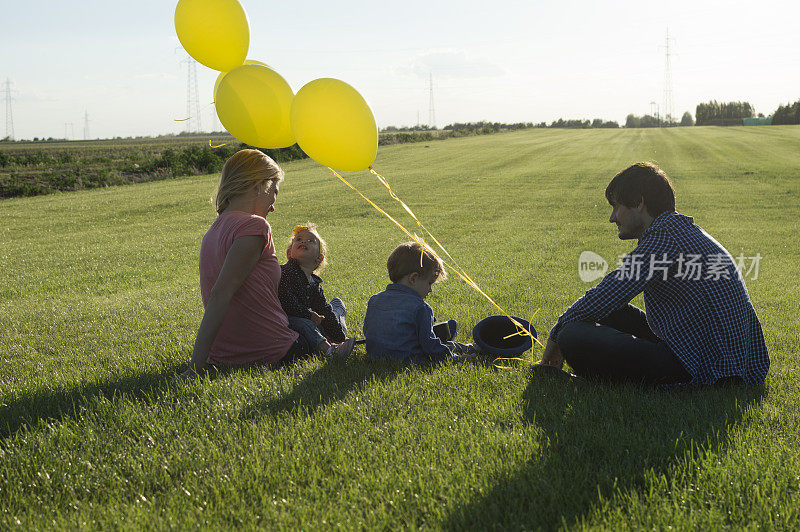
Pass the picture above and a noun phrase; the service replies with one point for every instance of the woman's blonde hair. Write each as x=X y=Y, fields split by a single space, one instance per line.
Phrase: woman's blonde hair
x=323 y=246
x=244 y=170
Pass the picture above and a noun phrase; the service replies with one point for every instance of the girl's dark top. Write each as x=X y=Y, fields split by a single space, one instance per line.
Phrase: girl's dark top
x=299 y=297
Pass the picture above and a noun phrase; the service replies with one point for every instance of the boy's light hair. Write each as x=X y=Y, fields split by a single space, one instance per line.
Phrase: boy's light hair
x=323 y=246
x=245 y=169
x=405 y=259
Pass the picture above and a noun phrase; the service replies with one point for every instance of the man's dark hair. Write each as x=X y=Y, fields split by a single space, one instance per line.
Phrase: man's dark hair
x=643 y=181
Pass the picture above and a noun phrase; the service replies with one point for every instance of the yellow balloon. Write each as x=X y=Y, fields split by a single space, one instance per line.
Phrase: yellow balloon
x=214 y=32
x=334 y=125
x=253 y=103
x=222 y=74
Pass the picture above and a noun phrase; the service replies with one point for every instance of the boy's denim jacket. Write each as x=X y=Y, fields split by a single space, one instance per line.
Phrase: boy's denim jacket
x=399 y=325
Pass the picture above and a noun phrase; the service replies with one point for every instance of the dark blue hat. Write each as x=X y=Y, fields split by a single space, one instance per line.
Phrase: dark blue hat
x=489 y=335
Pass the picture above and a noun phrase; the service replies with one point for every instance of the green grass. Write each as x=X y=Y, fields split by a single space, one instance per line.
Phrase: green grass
x=100 y=302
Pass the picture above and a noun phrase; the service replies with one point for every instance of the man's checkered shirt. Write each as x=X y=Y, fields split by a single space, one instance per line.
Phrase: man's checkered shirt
x=695 y=301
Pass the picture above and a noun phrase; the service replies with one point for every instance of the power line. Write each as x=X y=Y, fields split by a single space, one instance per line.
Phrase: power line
x=86 y=125
x=192 y=96
x=655 y=112
x=431 y=111
x=669 y=105
x=9 y=114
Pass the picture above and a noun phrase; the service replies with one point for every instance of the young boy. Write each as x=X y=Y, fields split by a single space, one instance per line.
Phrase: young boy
x=398 y=323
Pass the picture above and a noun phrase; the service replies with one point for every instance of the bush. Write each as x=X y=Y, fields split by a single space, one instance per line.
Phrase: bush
x=282 y=155
x=12 y=186
x=789 y=114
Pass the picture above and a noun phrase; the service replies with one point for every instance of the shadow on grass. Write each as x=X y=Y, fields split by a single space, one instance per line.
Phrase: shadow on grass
x=329 y=383
x=599 y=441
x=46 y=405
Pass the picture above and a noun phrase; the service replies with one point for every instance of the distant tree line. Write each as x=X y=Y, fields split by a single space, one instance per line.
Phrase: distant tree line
x=578 y=123
x=418 y=127
x=716 y=113
x=645 y=121
x=598 y=123
x=475 y=127
x=788 y=114
x=484 y=127
x=712 y=113
x=424 y=133
x=487 y=126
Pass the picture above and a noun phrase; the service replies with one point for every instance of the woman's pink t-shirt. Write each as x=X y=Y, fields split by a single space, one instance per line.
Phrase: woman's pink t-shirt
x=255 y=329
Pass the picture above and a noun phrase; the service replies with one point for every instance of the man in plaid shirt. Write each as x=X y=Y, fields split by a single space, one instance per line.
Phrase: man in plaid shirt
x=700 y=326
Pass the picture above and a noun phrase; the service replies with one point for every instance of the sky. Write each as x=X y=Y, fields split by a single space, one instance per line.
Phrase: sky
x=121 y=63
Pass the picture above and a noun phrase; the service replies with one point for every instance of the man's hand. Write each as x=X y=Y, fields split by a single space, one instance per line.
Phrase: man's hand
x=552 y=354
x=316 y=318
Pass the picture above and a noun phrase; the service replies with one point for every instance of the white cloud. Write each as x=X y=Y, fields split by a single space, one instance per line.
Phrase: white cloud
x=155 y=75
x=451 y=64
x=36 y=96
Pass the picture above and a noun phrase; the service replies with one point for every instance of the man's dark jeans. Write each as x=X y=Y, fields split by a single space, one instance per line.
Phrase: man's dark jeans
x=622 y=347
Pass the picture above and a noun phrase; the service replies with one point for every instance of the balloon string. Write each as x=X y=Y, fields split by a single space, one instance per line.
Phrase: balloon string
x=464 y=277
x=385 y=183
x=420 y=224
x=499 y=366
x=398 y=224
x=218 y=145
x=457 y=269
x=530 y=322
x=189 y=118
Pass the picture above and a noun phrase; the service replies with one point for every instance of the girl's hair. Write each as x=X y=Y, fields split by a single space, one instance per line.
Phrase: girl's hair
x=410 y=257
x=323 y=247
x=244 y=170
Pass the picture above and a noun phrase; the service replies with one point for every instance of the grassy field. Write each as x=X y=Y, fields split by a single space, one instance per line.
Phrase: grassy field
x=100 y=302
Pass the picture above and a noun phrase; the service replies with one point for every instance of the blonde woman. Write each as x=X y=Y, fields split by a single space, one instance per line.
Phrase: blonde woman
x=243 y=323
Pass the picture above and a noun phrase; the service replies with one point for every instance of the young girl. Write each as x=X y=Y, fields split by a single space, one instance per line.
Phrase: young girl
x=302 y=298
